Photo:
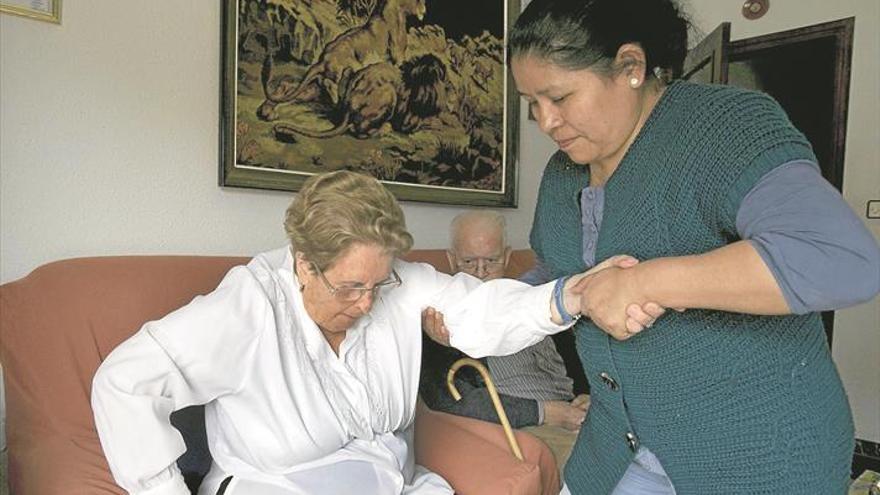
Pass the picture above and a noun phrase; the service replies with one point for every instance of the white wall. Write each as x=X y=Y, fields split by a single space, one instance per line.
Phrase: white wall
x=109 y=142
x=109 y=132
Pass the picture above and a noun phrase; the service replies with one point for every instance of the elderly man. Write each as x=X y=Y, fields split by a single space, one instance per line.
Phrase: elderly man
x=532 y=383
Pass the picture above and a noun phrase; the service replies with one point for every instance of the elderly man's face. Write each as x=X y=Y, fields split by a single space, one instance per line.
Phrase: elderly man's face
x=479 y=251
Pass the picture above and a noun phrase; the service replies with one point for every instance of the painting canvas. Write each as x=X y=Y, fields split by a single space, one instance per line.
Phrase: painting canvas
x=413 y=92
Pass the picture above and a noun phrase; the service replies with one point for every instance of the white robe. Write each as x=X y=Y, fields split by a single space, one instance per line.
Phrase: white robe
x=284 y=414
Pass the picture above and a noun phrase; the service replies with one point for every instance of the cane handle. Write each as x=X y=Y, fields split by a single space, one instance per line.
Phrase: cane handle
x=493 y=394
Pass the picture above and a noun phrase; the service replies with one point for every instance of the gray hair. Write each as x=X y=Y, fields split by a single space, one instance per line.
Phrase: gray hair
x=486 y=217
x=335 y=210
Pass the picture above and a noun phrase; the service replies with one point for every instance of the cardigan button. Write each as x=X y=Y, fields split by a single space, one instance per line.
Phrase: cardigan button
x=609 y=382
x=633 y=441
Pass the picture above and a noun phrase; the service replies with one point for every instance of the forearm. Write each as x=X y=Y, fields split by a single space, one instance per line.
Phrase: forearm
x=132 y=406
x=501 y=317
x=731 y=278
x=478 y=404
x=494 y=318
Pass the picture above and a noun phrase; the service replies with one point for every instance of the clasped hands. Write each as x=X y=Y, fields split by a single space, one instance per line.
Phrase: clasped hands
x=610 y=295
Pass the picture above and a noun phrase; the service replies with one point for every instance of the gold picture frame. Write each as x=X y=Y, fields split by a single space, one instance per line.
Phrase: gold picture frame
x=41 y=10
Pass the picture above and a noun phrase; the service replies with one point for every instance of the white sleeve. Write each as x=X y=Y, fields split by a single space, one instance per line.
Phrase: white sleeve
x=191 y=356
x=494 y=318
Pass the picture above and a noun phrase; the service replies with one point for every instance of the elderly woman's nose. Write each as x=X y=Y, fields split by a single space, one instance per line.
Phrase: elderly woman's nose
x=365 y=303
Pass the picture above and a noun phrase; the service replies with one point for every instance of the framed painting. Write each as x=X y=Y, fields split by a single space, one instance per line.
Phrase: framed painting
x=41 y=10
x=413 y=92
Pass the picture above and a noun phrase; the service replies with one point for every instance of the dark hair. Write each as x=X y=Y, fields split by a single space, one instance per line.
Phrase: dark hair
x=580 y=34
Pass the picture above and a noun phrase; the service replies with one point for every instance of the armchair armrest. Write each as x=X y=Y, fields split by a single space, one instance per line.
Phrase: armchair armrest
x=475 y=458
x=48 y=463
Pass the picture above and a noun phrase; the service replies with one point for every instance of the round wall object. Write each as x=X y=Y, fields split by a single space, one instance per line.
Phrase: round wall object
x=754 y=9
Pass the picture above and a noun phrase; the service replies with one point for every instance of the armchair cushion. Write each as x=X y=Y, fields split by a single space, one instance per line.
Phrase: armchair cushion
x=475 y=458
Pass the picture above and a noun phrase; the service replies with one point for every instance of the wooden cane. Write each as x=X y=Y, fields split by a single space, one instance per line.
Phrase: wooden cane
x=493 y=394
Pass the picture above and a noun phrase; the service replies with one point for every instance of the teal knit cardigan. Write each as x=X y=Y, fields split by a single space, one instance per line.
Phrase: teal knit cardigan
x=729 y=403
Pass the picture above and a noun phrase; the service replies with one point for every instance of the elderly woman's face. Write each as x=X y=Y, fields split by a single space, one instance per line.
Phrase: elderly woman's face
x=592 y=118
x=362 y=265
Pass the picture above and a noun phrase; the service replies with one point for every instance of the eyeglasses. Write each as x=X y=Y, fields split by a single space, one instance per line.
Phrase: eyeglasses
x=488 y=264
x=352 y=294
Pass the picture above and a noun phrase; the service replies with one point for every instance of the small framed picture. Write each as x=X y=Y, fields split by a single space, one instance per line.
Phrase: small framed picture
x=41 y=10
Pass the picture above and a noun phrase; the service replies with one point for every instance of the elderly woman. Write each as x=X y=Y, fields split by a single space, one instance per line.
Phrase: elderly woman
x=307 y=358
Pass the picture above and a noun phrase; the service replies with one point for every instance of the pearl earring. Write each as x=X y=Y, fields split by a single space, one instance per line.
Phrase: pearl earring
x=634 y=82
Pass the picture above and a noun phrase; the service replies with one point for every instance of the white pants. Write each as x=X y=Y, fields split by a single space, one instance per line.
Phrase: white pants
x=342 y=477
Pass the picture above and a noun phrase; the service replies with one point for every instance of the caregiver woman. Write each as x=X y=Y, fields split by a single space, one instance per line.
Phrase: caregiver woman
x=721 y=199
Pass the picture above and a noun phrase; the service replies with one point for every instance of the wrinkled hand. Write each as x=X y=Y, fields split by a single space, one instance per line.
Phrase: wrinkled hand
x=610 y=297
x=582 y=402
x=563 y=414
x=433 y=326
